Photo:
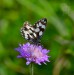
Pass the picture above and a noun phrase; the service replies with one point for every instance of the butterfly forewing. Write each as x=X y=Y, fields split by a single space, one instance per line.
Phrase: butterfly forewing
x=34 y=33
x=39 y=27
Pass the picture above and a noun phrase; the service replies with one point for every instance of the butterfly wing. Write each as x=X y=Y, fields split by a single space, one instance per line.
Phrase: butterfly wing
x=34 y=33
x=39 y=27
x=25 y=31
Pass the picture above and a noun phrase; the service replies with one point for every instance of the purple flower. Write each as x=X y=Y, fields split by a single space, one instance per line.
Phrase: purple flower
x=33 y=53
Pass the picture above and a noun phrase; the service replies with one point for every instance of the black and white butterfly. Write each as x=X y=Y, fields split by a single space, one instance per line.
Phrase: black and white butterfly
x=33 y=33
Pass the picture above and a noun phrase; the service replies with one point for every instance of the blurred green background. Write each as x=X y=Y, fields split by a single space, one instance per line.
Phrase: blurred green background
x=58 y=36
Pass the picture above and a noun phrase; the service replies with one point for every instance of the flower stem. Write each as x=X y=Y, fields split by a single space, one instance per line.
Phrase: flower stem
x=31 y=69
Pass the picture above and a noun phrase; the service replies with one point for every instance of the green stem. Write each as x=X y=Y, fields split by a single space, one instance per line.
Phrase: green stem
x=31 y=69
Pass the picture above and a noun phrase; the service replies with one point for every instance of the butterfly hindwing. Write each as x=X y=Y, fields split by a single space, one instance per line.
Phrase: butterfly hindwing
x=34 y=33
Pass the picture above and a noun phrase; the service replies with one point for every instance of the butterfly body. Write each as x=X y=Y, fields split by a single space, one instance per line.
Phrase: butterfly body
x=34 y=33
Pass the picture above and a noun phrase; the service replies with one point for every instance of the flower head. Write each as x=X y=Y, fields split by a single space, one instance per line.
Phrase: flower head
x=33 y=53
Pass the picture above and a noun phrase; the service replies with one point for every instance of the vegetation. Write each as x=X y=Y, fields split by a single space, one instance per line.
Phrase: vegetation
x=58 y=36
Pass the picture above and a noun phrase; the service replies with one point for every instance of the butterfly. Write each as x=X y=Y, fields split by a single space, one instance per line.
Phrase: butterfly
x=33 y=33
